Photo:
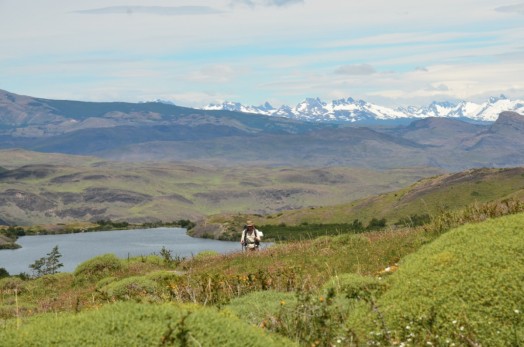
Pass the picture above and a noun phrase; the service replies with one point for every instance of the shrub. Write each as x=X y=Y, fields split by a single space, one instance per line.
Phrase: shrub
x=255 y=307
x=131 y=324
x=97 y=268
x=163 y=277
x=357 y=287
x=313 y=320
x=10 y=284
x=136 y=288
x=147 y=259
x=104 y=282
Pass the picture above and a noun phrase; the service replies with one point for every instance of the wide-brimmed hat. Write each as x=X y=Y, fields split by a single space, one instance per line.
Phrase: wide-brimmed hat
x=249 y=224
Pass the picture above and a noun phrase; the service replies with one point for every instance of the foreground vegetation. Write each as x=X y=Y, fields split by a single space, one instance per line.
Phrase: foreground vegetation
x=454 y=281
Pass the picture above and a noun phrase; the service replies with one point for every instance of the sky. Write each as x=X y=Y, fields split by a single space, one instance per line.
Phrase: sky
x=196 y=52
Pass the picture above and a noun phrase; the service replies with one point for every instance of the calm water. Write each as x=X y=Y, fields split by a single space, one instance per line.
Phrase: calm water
x=77 y=248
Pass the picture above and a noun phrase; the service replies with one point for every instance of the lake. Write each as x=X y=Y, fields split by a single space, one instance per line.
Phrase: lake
x=77 y=248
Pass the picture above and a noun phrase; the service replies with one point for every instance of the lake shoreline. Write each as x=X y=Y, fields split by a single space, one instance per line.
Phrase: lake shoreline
x=11 y=233
x=78 y=247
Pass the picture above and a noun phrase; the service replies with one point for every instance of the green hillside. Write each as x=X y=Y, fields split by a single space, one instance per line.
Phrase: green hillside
x=430 y=196
x=466 y=287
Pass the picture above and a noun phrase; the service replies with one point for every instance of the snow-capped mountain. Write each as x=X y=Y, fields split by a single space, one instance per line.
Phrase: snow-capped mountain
x=266 y=108
x=351 y=110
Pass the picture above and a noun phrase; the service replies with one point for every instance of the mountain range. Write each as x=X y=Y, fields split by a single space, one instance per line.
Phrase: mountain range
x=361 y=112
x=156 y=131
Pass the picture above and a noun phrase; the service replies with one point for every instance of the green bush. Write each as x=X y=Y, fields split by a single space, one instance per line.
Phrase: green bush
x=147 y=259
x=136 y=288
x=131 y=324
x=313 y=320
x=464 y=288
x=97 y=268
x=163 y=278
x=104 y=282
x=255 y=307
x=357 y=287
x=10 y=284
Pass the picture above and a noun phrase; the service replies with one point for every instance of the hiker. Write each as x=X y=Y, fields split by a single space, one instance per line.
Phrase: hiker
x=250 y=236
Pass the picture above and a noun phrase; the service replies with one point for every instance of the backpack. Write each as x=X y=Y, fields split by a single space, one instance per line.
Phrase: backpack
x=257 y=242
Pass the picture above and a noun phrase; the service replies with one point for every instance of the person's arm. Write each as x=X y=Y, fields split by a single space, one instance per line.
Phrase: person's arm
x=243 y=235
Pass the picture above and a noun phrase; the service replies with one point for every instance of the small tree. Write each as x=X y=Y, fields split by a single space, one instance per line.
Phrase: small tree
x=47 y=265
x=3 y=272
x=375 y=224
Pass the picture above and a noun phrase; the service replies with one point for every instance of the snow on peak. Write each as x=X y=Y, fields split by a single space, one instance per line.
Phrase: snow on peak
x=351 y=110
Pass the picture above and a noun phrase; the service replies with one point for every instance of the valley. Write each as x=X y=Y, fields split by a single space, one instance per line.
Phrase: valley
x=42 y=188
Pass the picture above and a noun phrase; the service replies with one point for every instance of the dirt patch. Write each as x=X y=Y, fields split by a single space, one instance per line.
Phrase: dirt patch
x=177 y=197
x=26 y=201
x=280 y=194
x=217 y=196
x=66 y=179
x=100 y=195
x=66 y=198
x=269 y=195
x=28 y=172
x=82 y=213
x=94 y=177
x=318 y=176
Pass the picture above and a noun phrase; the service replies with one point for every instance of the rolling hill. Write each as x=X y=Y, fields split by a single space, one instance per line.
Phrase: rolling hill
x=42 y=188
x=429 y=196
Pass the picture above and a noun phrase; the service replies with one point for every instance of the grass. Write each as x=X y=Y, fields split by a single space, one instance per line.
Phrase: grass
x=457 y=279
x=466 y=287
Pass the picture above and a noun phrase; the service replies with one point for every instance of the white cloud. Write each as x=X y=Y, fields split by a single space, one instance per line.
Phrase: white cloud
x=285 y=50
x=358 y=69
x=518 y=8
x=154 y=10
x=254 y=3
x=215 y=74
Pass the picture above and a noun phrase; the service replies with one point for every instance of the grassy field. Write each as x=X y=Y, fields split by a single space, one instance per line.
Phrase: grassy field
x=456 y=281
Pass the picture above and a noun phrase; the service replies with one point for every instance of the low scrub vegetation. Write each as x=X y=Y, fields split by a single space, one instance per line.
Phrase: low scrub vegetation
x=131 y=324
x=455 y=280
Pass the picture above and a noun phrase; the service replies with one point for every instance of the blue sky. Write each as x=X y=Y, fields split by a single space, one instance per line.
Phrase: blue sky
x=394 y=53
